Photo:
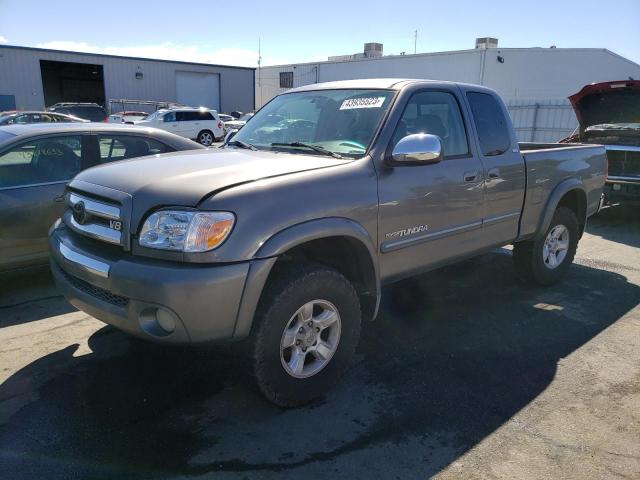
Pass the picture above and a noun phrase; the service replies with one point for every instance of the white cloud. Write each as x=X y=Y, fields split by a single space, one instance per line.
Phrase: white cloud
x=172 y=51
x=3 y=39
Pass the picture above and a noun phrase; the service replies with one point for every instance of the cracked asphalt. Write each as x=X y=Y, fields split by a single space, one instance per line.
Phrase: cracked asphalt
x=467 y=373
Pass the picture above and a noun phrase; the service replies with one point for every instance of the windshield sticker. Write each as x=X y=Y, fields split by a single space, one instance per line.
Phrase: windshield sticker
x=365 y=102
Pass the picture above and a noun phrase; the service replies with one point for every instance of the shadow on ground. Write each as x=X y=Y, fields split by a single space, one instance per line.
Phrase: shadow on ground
x=453 y=356
x=615 y=223
x=29 y=294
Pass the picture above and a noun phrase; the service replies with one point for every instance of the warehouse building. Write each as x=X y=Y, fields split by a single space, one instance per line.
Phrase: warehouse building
x=534 y=82
x=32 y=78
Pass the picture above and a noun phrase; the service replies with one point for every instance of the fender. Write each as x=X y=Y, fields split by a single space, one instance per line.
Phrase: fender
x=283 y=241
x=554 y=199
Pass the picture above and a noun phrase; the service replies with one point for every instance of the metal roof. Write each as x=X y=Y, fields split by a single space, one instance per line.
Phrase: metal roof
x=18 y=47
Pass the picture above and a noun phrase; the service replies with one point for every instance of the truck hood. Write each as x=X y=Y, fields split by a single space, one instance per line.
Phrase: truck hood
x=607 y=103
x=185 y=178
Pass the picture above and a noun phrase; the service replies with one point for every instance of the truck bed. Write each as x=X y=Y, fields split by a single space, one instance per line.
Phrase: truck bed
x=548 y=165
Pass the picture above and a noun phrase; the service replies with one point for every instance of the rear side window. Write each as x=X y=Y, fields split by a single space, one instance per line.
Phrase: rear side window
x=121 y=147
x=490 y=123
x=205 y=116
x=187 y=116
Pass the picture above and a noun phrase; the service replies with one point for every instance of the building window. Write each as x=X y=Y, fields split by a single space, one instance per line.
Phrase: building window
x=286 y=79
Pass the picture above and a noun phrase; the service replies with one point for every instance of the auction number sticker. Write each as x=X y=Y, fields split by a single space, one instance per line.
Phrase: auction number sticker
x=364 y=102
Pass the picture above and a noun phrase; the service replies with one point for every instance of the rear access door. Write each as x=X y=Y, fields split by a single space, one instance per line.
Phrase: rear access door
x=503 y=168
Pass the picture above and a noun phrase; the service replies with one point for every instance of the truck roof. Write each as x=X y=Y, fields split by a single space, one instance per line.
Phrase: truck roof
x=377 y=83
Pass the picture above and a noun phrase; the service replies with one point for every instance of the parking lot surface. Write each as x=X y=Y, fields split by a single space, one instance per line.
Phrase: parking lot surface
x=466 y=373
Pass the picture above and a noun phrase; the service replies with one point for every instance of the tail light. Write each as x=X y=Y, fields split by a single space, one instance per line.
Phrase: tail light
x=220 y=124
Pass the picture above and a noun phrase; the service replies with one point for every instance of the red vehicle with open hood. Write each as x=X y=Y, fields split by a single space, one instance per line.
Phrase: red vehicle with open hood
x=609 y=114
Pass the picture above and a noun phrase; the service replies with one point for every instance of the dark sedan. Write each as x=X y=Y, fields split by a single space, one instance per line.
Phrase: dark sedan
x=37 y=161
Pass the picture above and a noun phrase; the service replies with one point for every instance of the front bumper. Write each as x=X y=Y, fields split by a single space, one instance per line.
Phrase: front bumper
x=127 y=291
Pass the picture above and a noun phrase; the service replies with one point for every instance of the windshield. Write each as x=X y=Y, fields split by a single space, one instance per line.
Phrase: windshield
x=155 y=115
x=246 y=117
x=340 y=121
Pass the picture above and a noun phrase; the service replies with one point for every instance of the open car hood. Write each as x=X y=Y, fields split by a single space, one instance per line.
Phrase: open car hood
x=607 y=103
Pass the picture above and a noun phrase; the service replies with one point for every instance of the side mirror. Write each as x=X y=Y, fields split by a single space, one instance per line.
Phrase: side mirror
x=229 y=136
x=417 y=149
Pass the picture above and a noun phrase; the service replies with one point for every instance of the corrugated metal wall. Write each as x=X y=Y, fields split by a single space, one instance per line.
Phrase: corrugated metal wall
x=534 y=82
x=543 y=121
x=20 y=76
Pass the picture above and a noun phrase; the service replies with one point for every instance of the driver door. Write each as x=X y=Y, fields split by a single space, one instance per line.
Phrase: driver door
x=430 y=213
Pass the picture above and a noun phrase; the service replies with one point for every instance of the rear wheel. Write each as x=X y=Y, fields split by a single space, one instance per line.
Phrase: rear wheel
x=547 y=259
x=307 y=329
x=206 y=138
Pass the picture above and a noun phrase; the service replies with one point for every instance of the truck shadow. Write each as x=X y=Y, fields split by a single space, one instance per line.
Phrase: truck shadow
x=619 y=224
x=429 y=382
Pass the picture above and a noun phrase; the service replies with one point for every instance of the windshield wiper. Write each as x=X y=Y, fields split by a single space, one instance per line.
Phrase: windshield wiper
x=241 y=144
x=315 y=148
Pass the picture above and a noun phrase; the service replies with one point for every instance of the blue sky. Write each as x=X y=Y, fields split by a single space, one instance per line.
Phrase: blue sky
x=304 y=31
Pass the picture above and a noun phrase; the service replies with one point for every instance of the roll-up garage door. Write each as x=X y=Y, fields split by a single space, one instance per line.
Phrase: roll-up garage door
x=198 y=89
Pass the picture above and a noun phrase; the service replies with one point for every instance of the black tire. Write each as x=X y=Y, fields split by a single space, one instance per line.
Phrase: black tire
x=528 y=256
x=204 y=136
x=286 y=293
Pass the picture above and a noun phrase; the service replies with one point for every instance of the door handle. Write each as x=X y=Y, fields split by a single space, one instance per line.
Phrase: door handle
x=493 y=173
x=470 y=176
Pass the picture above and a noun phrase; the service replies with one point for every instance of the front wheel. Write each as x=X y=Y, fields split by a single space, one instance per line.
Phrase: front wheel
x=206 y=138
x=546 y=260
x=307 y=329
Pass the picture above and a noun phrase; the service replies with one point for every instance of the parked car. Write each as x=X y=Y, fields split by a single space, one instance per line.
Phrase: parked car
x=88 y=111
x=199 y=124
x=283 y=238
x=609 y=114
x=239 y=123
x=25 y=117
x=36 y=162
x=128 y=116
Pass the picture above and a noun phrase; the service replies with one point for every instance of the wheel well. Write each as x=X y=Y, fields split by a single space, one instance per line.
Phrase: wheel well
x=576 y=201
x=348 y=256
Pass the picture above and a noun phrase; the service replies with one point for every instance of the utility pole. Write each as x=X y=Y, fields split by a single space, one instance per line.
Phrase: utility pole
x=259 y=72
x=415 y=42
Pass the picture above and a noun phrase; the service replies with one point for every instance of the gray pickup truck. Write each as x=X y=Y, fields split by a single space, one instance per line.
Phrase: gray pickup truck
x=284 y=237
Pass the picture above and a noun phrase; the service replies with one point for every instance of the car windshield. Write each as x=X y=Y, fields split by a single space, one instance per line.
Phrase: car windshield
x=155 y=114
x=246 y=117
x=342 y=122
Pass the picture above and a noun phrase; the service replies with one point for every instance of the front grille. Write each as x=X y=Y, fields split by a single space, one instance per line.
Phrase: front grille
x=96 y=292
x=98 y=219
x=623 y=163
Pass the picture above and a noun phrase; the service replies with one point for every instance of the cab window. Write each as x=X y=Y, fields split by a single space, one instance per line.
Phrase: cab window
x=436 y=113
x=490 y=122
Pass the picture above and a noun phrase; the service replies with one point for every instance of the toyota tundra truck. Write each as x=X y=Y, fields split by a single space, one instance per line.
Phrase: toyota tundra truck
x=282 y=238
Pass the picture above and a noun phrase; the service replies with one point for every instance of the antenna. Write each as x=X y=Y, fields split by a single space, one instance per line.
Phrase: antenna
x=415 y=42
x=259 y=72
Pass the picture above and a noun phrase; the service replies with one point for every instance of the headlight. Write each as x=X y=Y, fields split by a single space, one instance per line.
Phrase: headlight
x=186 y=231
